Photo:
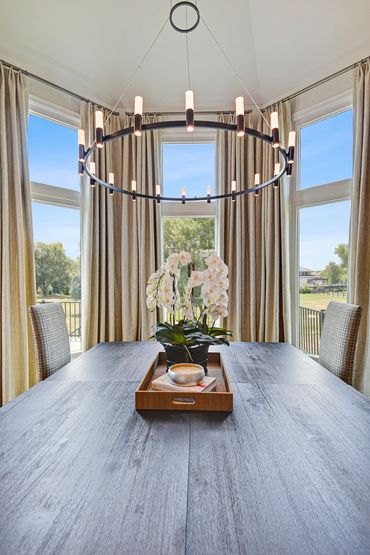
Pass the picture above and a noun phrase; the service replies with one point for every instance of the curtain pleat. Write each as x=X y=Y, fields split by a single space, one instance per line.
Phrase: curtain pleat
x=121 y=237
x=359 y=266
x=254 y=233
x=17 y=277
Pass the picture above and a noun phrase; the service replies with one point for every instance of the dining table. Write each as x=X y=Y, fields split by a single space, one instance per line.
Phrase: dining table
x=287 y=471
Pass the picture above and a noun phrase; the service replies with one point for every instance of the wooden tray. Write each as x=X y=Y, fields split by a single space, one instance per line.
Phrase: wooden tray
x=220 y=400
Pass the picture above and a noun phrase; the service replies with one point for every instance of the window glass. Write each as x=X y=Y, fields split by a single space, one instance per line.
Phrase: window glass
x=56 y=232
x=193 y=235
x=326 y=150
x=323 y=265
x=190 y=165
x=52 y=151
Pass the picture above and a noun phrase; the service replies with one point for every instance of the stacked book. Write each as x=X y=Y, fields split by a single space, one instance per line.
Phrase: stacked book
x=164 y=383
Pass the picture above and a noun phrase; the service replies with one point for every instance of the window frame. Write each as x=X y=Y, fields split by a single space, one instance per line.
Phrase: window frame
x=45 y=192
x=326 y=193
x=195 y=209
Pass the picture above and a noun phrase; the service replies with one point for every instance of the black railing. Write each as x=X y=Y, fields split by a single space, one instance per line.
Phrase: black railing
x=310 y=324
x=72 y=311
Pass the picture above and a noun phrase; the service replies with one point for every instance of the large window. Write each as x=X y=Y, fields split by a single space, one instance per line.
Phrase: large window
x=192 y=226
x=56 y=218
x=322 y=211
x=326 y=150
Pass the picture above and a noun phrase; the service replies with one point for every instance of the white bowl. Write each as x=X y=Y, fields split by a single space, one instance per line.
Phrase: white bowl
x=186 y=374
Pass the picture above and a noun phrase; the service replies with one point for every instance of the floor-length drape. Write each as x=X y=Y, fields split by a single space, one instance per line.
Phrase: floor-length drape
x=359 y=267
x=120 y=237
x=17 y=363
x=254 y=233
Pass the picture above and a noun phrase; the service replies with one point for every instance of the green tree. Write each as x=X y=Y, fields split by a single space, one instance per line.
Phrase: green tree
x=76 y=279
x=341 y=251
x=53 y=269
x=332 y=272
x=193 y=235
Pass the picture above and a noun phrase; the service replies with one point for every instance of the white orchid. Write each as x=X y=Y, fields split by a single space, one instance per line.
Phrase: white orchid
x=163 y=288
x=184 y=258
x=196 y=278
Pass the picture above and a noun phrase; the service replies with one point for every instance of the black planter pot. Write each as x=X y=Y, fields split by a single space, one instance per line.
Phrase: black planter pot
x=178 y=353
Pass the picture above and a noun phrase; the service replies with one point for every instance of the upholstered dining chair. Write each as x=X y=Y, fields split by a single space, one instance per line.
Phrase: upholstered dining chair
x=51 y=338
x=339 y=338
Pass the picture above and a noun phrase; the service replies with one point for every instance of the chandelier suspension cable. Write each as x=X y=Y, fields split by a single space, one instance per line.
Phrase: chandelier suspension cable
x=132 y=78
x=233 y=69
x=187 y=49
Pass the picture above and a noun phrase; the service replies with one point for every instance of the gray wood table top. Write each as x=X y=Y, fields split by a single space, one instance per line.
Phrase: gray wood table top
x=287 y=472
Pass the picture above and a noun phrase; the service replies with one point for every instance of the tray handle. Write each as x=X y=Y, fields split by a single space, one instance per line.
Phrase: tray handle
x=183 y=401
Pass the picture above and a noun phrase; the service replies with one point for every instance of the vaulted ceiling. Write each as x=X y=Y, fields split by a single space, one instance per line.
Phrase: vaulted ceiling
x=93 y=48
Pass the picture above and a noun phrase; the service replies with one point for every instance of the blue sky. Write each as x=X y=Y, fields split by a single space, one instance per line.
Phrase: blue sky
x=326 y=156
x=192 y=165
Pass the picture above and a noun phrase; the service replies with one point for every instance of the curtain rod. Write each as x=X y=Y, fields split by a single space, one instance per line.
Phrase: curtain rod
x=55 y=86
x=318 y=83
x=206 y=112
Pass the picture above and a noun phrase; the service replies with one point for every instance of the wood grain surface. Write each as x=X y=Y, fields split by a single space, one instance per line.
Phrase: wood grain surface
x=287 y=472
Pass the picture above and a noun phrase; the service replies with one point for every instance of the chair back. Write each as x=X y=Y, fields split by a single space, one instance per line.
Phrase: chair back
x=339 y=338
x=51 y=337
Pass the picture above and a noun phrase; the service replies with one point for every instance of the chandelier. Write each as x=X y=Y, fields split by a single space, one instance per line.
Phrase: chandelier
x=87 y=166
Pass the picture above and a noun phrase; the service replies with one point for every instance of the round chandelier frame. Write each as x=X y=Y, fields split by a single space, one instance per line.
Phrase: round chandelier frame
x=87 y=166
x=284 y=167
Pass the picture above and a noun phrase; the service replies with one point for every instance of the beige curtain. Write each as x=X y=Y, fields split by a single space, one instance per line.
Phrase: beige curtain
x=17 y=363
x=120 y=237
x=359 y=267
x=254 y=233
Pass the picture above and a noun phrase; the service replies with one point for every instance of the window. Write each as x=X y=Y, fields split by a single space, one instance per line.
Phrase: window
x=56 y=218
x=190 y=227
x=326 y=150
x=320 y=222
x=52 y=153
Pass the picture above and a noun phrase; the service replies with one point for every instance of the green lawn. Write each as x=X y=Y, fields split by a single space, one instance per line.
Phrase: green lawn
x=319 y=301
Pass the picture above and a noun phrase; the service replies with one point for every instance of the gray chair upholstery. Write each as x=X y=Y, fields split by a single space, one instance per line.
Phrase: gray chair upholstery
x=339 y=338
x=51 y=338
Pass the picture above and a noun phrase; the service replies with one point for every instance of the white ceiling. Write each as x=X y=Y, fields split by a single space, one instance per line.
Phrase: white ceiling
x=93 y=48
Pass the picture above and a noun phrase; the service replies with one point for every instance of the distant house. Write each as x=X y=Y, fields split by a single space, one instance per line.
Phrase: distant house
x=311 y=278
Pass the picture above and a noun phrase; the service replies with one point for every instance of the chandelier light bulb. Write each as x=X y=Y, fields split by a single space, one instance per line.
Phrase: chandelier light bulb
x=81 y=145
x=233 y=190
x=111 y=182
x=93 y=171
x=239 y=110
x=257 y=179
x=133 y=189
x=208 y=194
x=189 y=110
x=158 y=192
x=291 y=147
x=276 y=172
x=183 y=194
x=99 y=128
x=138 y=115
x=275 y=129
